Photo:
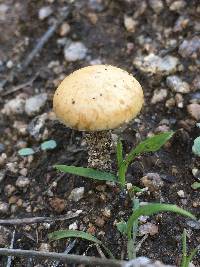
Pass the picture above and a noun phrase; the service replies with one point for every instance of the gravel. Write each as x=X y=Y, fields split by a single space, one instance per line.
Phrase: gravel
x=154 y=64
x=159 y=95
x=75 y=51
x=194 y=111
x=35 y=103
x=77 y=194
x=177 y=85
x=44 y=12
x=190 y=48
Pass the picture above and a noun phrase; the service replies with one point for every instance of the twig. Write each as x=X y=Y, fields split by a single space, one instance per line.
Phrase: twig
x=19 y=221
x=67 y=251
x=43 y=40
x=20 y=86
x=11 y=247
x=68 y=258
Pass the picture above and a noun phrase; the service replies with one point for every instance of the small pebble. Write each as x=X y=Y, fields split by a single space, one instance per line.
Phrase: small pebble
x=177 y=85
x=159 y=95
x=99 y=222
x=130 y=24
x=156 y=5
x=194 y=111
x=148 y=228
x=64 y=29
x=44 y=12
x=77 y=194
x=14 y=106
x=73 y=226
x=190 y=48
x=153 y=181
x=5 y=236
x=57 y=204
x=177 y=5
x=75 y=51
x=35 y=103
x=154 y=64
x=4 y=207
x=181 y=194
x=9 y=189
x=22 y=182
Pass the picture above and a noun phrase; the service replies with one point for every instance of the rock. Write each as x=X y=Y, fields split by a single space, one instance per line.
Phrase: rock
x=3 y=158
x=106 y=212
x=158 y=96
x=156 y=5
x=177 y=85
x=44 y=12
x=154 y=64
x=36 y=127
x=75 y=51
x=190 y=48
x=4 y=207
x=77 y=194
x=194 y=111
x=130 y=24
x=35 y=103
x=14 y=106
x=148 y=228
x=64 y=29
x=22 y=182
x=177 y=5
x=162 y=129
x=5 y=236
x=57 y=204
x=153 y=181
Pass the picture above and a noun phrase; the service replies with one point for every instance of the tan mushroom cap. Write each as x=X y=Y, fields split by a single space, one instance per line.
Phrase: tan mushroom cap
x=98 y=97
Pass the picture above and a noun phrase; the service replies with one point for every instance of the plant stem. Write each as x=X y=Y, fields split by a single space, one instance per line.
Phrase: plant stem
x=131 y=246
x=184 y=249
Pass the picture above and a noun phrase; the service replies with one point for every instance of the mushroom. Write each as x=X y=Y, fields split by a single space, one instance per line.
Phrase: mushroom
x=97 y=99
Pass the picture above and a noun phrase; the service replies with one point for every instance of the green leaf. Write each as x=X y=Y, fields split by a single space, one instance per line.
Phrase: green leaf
x=184 y=249
x=122 y=227
x=26 y=151
x=78 y=234
x=47 y=145
x=151 y=144
x=195 y=185
x=119 y=153
x=196 y=146
x=87 y=172
x=151 y=209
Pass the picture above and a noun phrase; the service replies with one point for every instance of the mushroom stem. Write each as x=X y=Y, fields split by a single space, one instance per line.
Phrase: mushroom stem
x=99 y=149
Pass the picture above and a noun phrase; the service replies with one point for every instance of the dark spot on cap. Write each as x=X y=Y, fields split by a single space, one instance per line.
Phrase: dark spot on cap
x=93 y=98
x=100 y=94
x=73 y=102
x=115 y=85
x=106 y=69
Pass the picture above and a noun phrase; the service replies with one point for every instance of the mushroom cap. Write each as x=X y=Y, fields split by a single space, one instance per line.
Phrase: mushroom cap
x=98 y=97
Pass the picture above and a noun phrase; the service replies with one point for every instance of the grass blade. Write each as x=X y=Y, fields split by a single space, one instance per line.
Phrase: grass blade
x=184 y=249
x=87 y=172
x=151 y=144
x=191 y=256
x=78 y=234
x=151 y=209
